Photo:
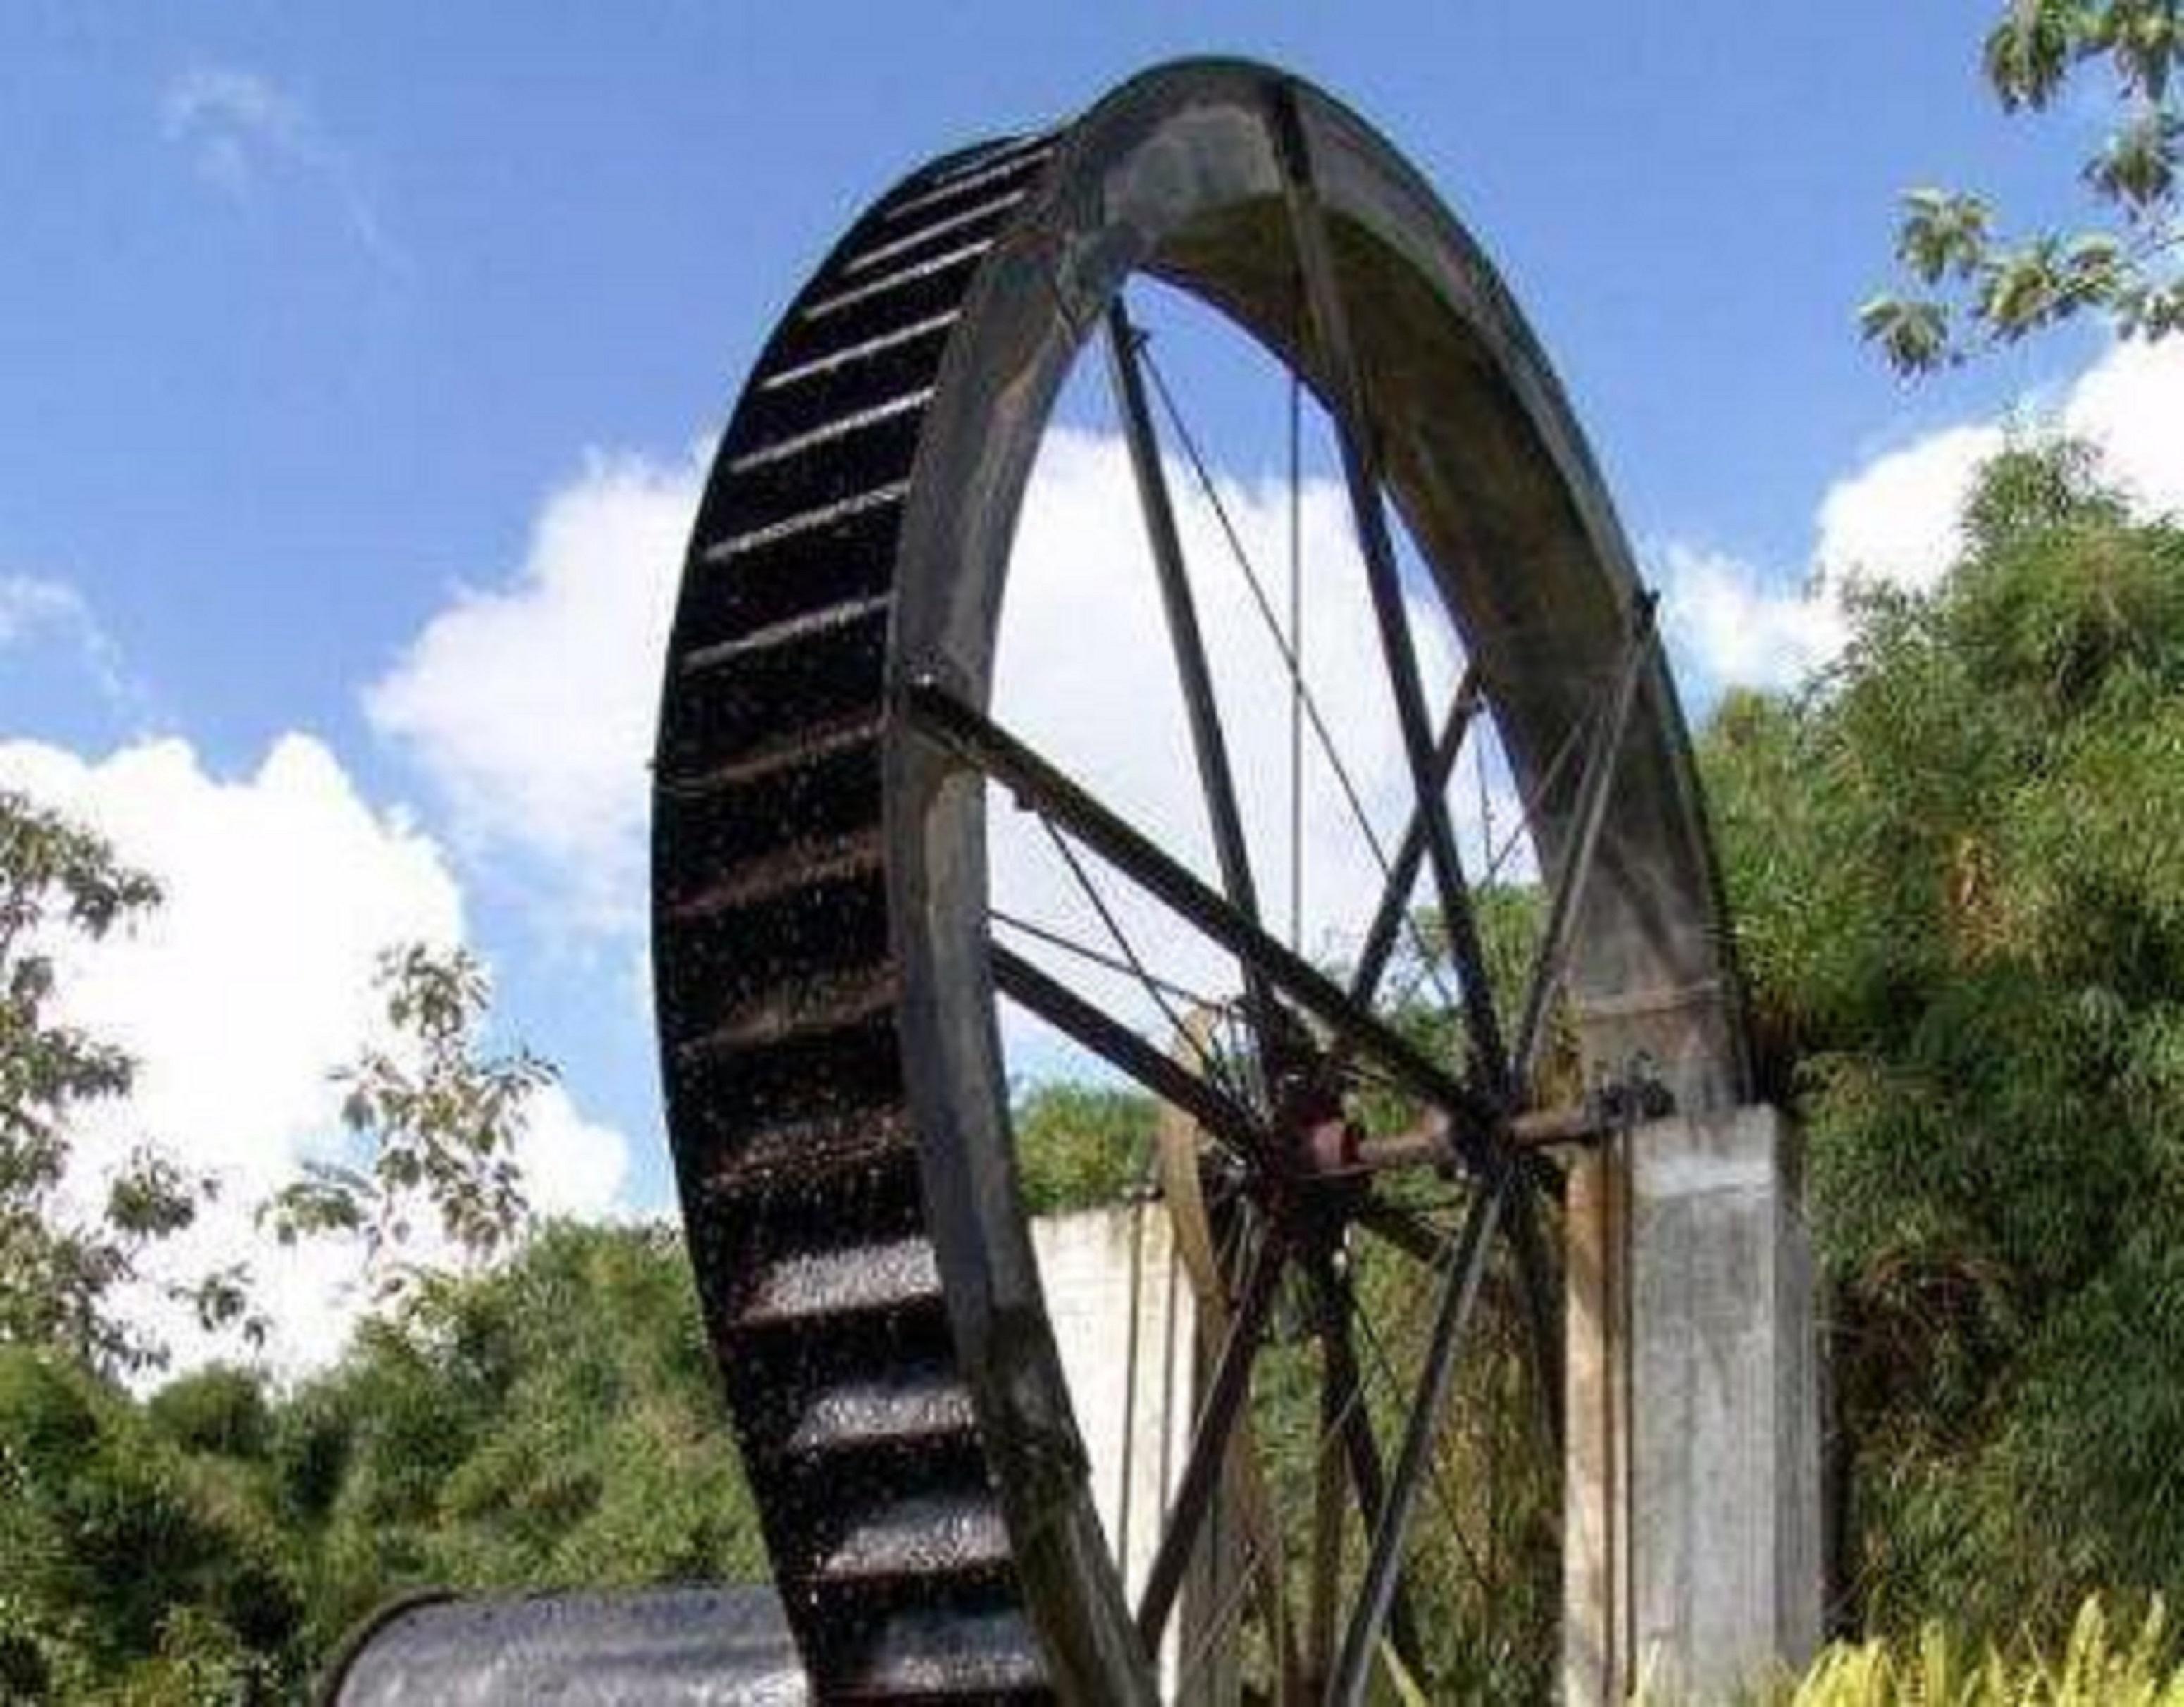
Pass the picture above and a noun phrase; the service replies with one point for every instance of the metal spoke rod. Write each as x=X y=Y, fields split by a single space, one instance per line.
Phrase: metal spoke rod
x=978 y=741
x=1327 y=1515
x=1367 y=1480
x=1404 y=1228
x=1069 y=944
x=1217 y=781
x=1459 y=1294
x=1330 y=319
x=1395 y=894
x=1121 y=1048
x=1114 y=926
x=1595 y=783
x=1209 y=1445
x=1291 y=658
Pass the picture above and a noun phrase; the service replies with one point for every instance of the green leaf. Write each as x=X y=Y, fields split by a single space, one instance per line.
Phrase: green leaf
x=1913 y=335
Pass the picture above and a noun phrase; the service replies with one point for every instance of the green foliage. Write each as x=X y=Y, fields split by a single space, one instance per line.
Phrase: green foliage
x=1971 y=287
x=58 y=1271
x=552 y=1422
x=128 y=1564
x=216 y=1410
x=1078 y=1146
x=2094 y=1670
x=1952 y=867
x=440 y=1118
x=1418 y=995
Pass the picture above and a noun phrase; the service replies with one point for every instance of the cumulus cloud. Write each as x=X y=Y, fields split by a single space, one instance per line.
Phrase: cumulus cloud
x=530 y=704
x=1727 y=625
x=248 y=984
x=35 y=609
x=238 y=125
x=1085 y=672
x=1895 y=520
x=2131 y=403
x=571 y=1166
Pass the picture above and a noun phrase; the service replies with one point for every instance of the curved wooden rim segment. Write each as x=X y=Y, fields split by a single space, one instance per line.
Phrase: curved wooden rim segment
x=826 y=985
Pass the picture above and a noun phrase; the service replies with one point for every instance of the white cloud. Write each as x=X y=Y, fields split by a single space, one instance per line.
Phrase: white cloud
x=223 y=112
x=30 y=603
x=1895 y=520
x=571 y=1166
x=238 y=123
x=1722 y=622
x=252 y=981
x=33 y=609
x=531 y=705
x=1087 y=675
x=2131 y=404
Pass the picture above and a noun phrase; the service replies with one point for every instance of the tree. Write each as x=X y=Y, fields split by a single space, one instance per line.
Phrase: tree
x=59 y=1269
x=440 y=1118
x=133 y=1567
x=1078 y=1146
x=1971 y=287
x=1952 y=867
x=549 y=1422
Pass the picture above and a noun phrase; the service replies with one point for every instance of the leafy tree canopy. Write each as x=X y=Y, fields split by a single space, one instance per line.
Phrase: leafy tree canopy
x=551 y=1423
x=1078 y=1146
x=1953 y=864
x=441 y=1116
x=1971 y=285
x=61 y=1269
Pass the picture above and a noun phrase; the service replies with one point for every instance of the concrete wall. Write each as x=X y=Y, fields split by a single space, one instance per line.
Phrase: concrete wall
x=1693 y=1517
x=1124 y=1318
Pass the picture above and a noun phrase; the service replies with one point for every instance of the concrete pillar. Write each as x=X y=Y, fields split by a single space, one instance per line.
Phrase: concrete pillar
x=1126 y=1324
x=1692 y=1518
x=1596 y=1437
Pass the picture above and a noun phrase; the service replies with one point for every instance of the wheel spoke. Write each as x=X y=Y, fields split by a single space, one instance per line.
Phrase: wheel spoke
x=1367 y=1480
x=1175 y=1153
x=1434 y=1481
x=1123 y=1049
x=1542 y=1317
x=1369 y=512
x=1300 y=691
x=1064 y=943
x=974 y=738
x=1459 y=1294
x=1402 y=1227
x=1395 y=893
x=1209 y=1444
x=1328 y=1510
x=1217 y=781
x=1131 y=959
x=1595 y=783
x=1296 y=652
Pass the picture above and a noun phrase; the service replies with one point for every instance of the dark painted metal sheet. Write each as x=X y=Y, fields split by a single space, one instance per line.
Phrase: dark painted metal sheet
x=662 y=1647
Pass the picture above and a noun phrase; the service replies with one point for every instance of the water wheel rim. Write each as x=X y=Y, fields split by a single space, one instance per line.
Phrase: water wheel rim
x=1181 y=175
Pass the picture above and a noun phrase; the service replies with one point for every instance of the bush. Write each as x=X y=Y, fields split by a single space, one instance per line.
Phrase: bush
x=1952 y=865
x=218 y=1409
x=2095 y=1670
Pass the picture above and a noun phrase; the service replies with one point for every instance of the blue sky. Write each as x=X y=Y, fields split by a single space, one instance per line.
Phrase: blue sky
x=313 y=317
